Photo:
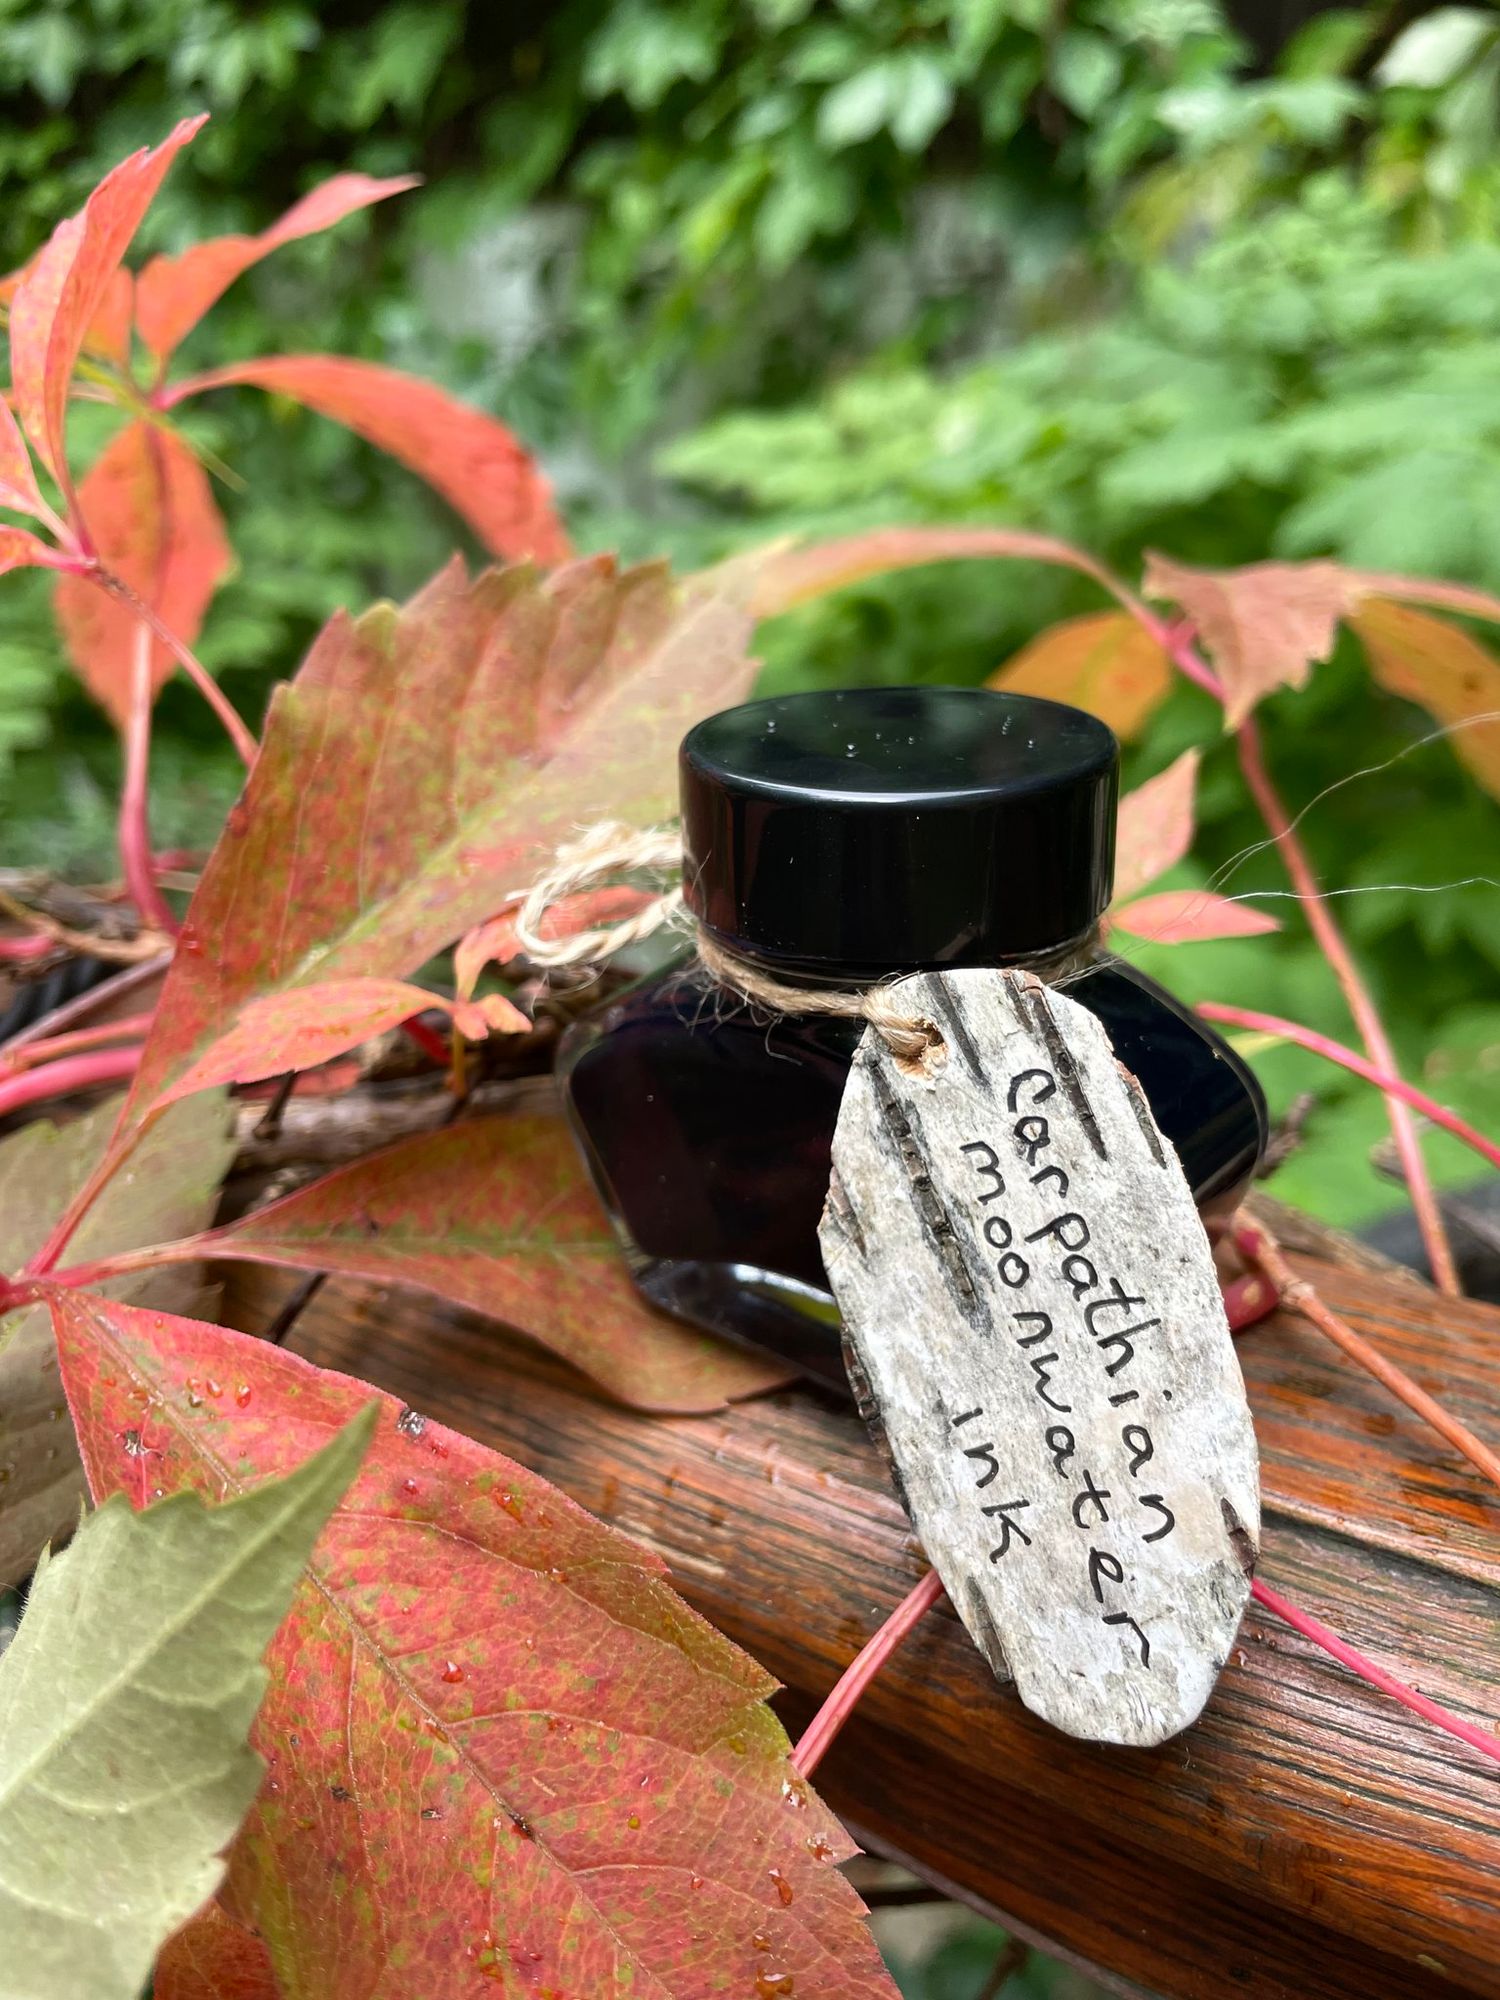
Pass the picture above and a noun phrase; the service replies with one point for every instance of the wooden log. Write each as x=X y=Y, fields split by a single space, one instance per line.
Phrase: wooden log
x=1305 y=1838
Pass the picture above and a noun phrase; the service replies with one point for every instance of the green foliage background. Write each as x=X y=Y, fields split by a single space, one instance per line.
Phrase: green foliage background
x=814 y=264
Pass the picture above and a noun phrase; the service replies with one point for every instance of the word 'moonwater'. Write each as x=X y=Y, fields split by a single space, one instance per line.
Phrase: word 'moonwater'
x=1029 y=1297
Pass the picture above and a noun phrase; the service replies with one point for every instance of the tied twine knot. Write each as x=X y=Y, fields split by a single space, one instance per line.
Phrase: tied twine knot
x=605 y=853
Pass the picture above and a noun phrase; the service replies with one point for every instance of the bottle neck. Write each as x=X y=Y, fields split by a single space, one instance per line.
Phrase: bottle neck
x=1054 y=966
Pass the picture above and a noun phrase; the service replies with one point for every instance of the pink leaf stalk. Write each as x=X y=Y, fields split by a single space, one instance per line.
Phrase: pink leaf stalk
x=128 y=1028
x=1386 y=1079
x=1339 y=1649
x=861 y=1670
x=1258 y=1248
x=186 y=658
x=61 y=1079
x=1178 y=640
x=135 y=826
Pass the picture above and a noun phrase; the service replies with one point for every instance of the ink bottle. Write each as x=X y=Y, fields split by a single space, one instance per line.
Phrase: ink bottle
x=834 y=839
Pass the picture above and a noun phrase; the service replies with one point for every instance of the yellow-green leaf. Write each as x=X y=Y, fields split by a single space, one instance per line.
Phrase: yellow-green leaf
x=1442 y=669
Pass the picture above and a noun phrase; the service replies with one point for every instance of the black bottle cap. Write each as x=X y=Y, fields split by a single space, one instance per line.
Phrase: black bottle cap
x=847 y=835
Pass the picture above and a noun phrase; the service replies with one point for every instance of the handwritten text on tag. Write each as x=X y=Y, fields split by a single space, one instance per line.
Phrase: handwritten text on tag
x=1027 y=1289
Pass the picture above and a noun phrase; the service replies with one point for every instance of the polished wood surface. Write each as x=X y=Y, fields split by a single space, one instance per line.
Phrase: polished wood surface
x=1308 y=1838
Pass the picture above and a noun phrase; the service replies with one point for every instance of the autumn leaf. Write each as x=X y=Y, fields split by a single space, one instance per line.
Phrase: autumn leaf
x=21 y=550
x=1263 y=625
x=173 y=293
x=495 y=1214
x=213 y=1958
x=310 y=1025
x=168 y=1188
x=126 y=1700
x=1107 y=663
x=796 y=574
x=153 y=520
x=423 y=765
x=1155 y=825
x=18 y=487
x=1442 y=669
x=478 y=466
x=499 y=1744
x=59 y=294
x=1189 y=916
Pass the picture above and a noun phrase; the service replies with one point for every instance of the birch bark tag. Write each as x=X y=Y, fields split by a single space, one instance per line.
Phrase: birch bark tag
x=1028 y=1292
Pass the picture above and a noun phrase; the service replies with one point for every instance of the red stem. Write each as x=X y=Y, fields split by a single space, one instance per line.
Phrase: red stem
x=135 y=827
x=202 y=679
x=1297 y=1296
x=427 y=1040
x=59 y=1079
x=861 y=1670
x=127 y=1028
x=1357 y=995
x=1178 y=642
x=1387 y=1080
x=22 y=950
x=1347 y=1656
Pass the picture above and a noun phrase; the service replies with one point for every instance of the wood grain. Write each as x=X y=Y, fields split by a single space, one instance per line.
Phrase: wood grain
x=1306 y=1840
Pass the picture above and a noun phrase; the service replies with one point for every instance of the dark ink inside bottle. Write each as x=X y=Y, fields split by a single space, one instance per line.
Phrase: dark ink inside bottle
x=831 y=840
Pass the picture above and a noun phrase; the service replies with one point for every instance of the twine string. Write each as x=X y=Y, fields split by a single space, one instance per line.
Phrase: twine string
x=610 y=850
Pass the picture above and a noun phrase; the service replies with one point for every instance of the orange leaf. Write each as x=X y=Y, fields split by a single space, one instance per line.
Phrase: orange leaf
x=298 y=1030
x=1107 y=663
x=151 y=513
x=173 y=293
x=213 y=1958
x=1188 y=916
x=18 y=487
x=1264 y=625
x=496 y=1214
x=474 y=462
x=793 y=576
x=1433 y=663
x=20 y=549
x=1155 y=827
x=505 y=1755
x=423 y=765
x=60 y=293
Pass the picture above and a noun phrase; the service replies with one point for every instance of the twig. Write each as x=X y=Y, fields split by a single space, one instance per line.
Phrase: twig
x=1385 y=1079
x=1012 y=1955
x=1297 y=1296
x=1348 y=1656
x=857 y=1676
x=269 y=1125
x=135 y=827
x=122 y=951
x=291 y=1311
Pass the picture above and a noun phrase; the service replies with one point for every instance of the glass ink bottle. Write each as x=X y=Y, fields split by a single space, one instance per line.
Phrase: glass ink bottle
x=833 y=839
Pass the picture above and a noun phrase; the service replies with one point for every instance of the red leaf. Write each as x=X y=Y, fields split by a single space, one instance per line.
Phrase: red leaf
x=59 y=294
x=1264 y=625
x=474 y=462
x=1107 y=663
x=793 y=576
x=495 y=941
x=1155 y=828
x=424 y=764
x=499 y=1744
x=153 y=519
x=213 y=1958
x=297 y=1030
x=173 y=293
x=1190 y=916
x=496 y=1214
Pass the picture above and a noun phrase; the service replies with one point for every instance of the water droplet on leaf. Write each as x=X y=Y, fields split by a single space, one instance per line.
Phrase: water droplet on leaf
x=452 y=1671
x=784 y=1888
